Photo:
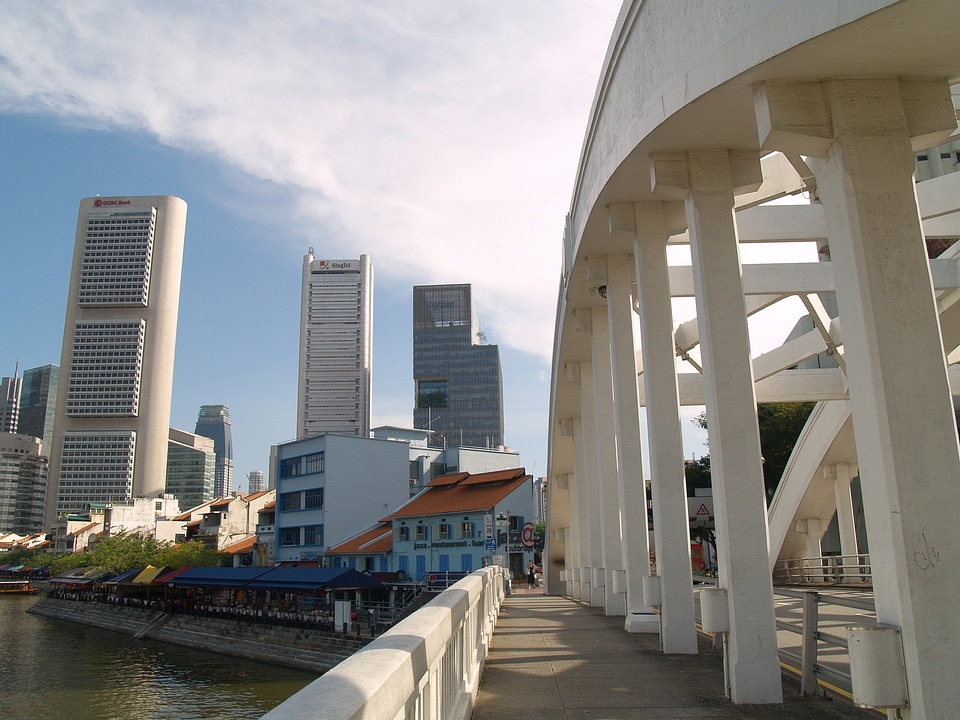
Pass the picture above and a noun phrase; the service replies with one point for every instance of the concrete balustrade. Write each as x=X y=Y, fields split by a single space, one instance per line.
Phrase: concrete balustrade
x=428 y=666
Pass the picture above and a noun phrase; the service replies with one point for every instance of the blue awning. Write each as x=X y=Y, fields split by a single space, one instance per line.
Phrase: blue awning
x=313 y=578
x=281 y=578
x=224 y=577
x=126 y=576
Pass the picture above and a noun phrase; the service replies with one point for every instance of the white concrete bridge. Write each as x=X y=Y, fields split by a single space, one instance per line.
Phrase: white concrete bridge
x=704 y=112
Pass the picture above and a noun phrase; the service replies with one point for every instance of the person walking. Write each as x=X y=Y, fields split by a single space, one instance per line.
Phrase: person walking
x=531 y=575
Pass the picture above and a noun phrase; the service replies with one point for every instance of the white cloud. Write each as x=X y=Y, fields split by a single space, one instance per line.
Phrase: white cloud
x=442 y=138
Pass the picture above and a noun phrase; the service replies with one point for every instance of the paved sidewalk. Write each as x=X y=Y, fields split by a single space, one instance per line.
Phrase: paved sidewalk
x=554 y=659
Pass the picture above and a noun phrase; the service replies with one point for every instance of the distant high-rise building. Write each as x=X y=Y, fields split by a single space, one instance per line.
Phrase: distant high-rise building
x=336 y=331
x=38 y=403
x=191 y=468
x=10 y=402
x=255 y=481
x=23 y=484
x=459 y=388
x=113 y=406
x=214 y=422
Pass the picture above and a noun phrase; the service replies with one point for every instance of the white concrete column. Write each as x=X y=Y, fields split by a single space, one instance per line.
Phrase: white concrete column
x=903 y=416
x=845 y=519
x=633 y=496
x=707 y=181
x=664 y=433
x=589 y=592
x=606 y=429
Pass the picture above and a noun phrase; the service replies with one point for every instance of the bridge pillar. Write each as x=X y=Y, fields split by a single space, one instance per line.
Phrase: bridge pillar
x=903 y=416
x=607 y=473
x=707 y=182
x=849 y=549
x=633 y=495
x=589 y=592
x=664 y=435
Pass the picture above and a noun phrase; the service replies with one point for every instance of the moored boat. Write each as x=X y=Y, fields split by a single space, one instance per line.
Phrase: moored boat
x=16 y=587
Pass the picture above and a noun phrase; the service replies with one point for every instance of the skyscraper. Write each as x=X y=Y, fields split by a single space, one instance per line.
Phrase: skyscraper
x=10 y=402
x=191 y=468
x=113 y=406
x=38 y=403
x=23 y=483
x=459 y=388
x=255 y=481
x=336 y=331
x=214 y=422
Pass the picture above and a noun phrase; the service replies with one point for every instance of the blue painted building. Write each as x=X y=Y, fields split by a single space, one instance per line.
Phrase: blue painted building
x=457 y=523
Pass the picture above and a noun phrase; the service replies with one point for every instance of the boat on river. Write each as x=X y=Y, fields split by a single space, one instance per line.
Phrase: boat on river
x=16 y=587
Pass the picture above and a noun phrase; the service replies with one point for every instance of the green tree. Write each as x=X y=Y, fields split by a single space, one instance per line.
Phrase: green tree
x=124 y=551
x=190 y=554
x=780 y=425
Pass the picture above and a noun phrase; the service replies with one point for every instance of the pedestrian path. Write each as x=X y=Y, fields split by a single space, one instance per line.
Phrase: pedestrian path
x=555 y=659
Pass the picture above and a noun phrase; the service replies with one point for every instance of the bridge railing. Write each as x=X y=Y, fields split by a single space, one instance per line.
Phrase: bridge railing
x=815 y=639
x=827 y=570
x=427 y=667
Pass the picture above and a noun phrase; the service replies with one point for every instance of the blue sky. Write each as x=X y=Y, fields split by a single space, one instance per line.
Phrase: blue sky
x=440 y=138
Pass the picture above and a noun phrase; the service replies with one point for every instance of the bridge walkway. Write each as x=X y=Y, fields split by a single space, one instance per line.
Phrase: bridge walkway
x=552 y=658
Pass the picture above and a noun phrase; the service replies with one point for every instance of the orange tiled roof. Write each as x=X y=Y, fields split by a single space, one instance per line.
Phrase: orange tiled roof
x=451 y=479
x=268 y=507
x=378 y=539
x=473 y=492
x=221 y=503
x=254 y=496
x=241 y=547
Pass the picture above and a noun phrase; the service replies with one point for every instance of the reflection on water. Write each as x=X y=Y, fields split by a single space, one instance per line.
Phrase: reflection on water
x=52 y=669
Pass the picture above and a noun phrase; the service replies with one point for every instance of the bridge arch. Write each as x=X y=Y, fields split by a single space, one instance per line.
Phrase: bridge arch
x=704 y=112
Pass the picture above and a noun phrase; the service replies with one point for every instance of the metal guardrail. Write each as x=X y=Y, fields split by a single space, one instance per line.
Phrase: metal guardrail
x=833 y=572
x=811 y=670
x=827 y=570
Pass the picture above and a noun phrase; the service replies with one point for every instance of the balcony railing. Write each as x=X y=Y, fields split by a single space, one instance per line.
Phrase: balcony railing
x=427 y=667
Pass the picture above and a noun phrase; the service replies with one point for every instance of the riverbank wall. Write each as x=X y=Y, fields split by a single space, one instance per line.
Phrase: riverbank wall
x=310 y=650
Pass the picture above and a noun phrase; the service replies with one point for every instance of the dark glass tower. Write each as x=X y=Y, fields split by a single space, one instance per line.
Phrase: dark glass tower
x=214 y=423
x=459 y=388
x=38 y=403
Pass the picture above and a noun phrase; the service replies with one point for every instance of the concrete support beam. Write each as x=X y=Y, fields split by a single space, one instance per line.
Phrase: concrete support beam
x=902 y=412
x=633 y=497
x=707 y=181
x=841 y=475
x=678 y=632
x=607 y=473
x=589 y=592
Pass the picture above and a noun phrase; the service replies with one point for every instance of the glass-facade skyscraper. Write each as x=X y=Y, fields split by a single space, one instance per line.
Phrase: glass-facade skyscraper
x=191 y=468
x=459 y=387
x=38 y=403
x=214 y=422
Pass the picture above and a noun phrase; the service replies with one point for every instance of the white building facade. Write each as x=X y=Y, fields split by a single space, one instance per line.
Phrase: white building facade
x=113 y=403
x=331 y=487
x=336 y=347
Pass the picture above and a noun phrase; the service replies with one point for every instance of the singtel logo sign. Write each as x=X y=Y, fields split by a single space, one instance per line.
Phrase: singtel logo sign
x=100 y=202
x=336 y=264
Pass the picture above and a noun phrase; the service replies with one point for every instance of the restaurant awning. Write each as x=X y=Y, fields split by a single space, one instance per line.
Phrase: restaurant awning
x=148 y=575
x=232 y=577
x=83 y=576
x=280 y=578
x=312 y=578
x=166 y=577
x=126 y=576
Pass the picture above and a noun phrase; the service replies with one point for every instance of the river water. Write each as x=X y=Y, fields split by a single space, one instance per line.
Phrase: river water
x=53 y=669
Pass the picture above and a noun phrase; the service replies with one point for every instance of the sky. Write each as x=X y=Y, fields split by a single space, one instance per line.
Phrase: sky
x=441 y=138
